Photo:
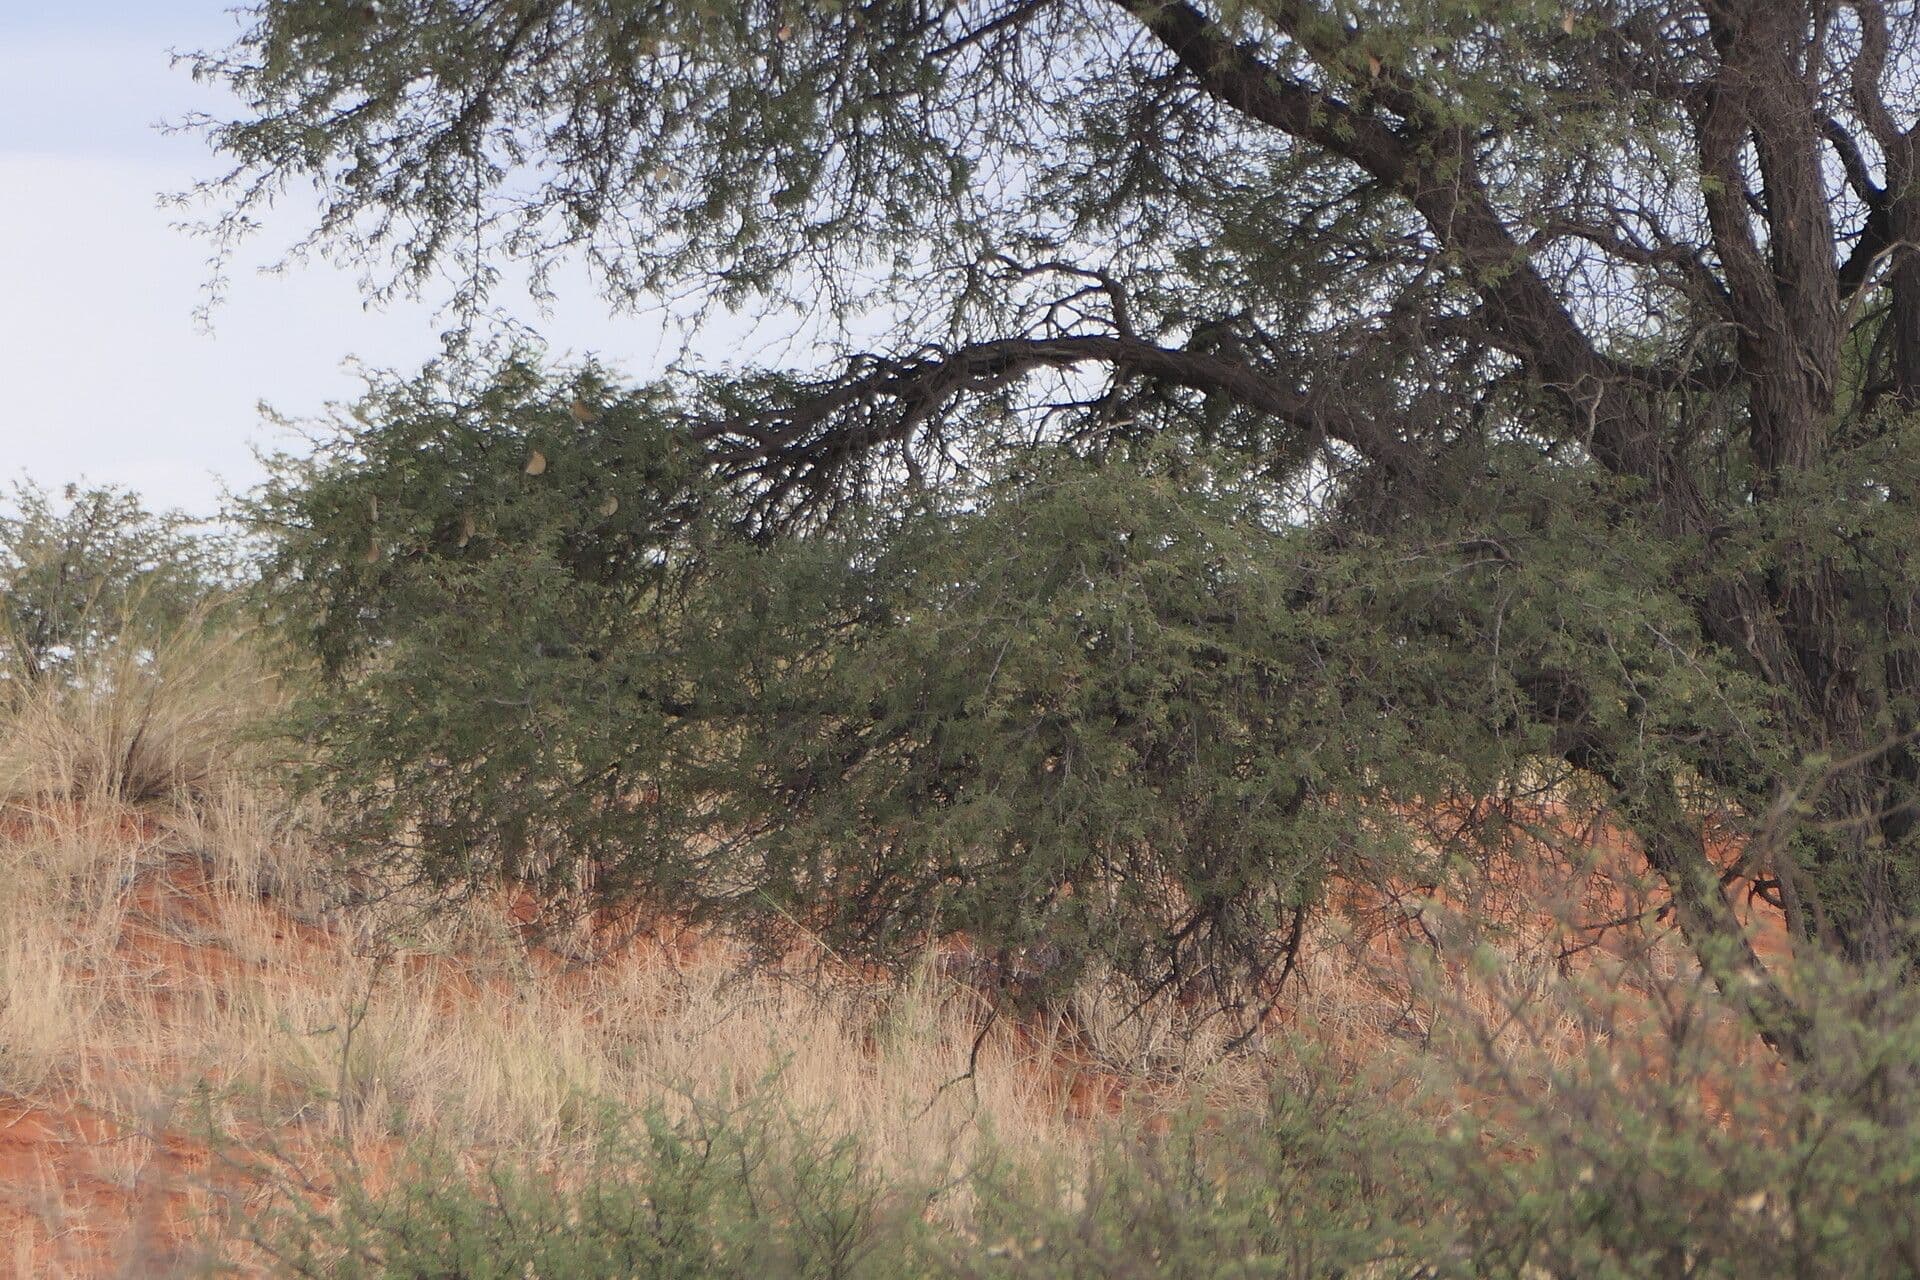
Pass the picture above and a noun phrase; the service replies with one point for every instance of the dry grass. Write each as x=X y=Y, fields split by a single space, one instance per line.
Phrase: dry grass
x=138 y=722
x=170 y=943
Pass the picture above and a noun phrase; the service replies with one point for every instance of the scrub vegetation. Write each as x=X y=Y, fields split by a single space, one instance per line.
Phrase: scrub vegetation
x=1307 y=664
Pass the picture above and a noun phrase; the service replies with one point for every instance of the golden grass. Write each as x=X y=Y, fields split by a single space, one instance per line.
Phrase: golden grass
x=125 y=974
x=170 y=942
x=139 y=720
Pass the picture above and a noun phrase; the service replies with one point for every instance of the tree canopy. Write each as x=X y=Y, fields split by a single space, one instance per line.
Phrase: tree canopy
x=1241 y=423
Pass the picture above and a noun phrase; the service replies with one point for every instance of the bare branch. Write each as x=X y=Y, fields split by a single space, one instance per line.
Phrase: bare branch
x=803 y=451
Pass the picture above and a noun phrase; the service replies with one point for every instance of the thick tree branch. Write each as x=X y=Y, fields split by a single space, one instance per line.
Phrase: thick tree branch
x=1673 y=845
x=1869 y=69
x=1868 y=252
x=1847 y=148
x=800 y=447
x=1431 y=166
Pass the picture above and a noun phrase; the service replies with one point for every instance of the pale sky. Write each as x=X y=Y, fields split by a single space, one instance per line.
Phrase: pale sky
x=104 y=374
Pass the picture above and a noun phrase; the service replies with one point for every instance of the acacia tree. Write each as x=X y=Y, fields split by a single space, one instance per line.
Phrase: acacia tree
x=1246 y=417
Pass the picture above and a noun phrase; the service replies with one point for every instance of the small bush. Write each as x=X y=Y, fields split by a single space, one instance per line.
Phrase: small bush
x=720 y=1191
x=1327 y=1182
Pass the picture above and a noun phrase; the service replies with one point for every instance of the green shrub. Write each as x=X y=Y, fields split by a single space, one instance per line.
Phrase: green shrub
x=736 y=1190
x=1079 y=711
x=1671 y=1148
x=1327 y=1182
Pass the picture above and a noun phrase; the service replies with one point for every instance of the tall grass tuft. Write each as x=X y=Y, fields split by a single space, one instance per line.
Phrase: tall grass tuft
x=143 y=718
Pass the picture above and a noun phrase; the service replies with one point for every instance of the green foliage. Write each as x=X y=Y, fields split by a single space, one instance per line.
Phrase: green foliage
x=1236 y=425
x=490 y=590
x=1321 y=1184
x=1092 y=711
x=1671 y=1150
x=738 y=1191
x=79 y=571
x=421 y=103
